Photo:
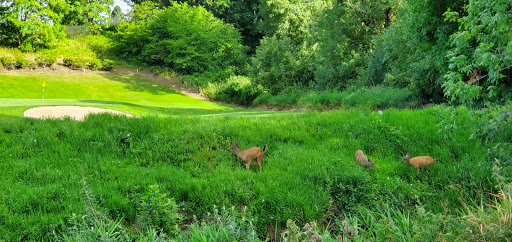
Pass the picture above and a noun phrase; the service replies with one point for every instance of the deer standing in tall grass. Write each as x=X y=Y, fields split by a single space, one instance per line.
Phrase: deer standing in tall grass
x=248 y=155
x=418 y=161
x=363 y=160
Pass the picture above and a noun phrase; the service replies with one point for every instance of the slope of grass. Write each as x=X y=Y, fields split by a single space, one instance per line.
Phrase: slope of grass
x=60 y=173
x=308 y=174
x=128 y=93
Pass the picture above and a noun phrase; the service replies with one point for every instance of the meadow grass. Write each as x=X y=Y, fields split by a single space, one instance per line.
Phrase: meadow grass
x=60 y=178
x=308 y=174
x=378 y=97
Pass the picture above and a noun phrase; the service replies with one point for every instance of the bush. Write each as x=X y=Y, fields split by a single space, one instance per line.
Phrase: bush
x=158 y=211
x=374 y=97
x=237 y=89
x=68 y=62
x=76 y=62
x=278 y=65
x=190 y=40
x=496 y=129
x=108 y=65
x=22 y=62
x=8 y=62
x=46 y=60
x=95 y=64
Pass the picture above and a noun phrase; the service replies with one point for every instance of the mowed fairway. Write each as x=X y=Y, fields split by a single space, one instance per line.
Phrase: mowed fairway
x=134 y=94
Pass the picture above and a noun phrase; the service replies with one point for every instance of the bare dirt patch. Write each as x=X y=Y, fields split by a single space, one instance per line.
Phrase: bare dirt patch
x=73 y=112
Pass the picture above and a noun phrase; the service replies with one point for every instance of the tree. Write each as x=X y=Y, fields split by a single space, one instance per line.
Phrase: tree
x=117 y=15
x=186 y=39
x=31 y=24
x=93 y=13
x=481 y=57
x=412 y=51
x=344 y=33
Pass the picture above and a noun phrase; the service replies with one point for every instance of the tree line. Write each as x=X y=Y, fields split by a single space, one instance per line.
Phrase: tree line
x=454 y=50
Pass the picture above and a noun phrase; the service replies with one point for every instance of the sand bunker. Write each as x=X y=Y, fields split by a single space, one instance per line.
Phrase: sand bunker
x=73 y=112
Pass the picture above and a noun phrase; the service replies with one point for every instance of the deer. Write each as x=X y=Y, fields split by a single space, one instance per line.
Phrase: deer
x=363 y=160
x=418 y=161
x=248 y=155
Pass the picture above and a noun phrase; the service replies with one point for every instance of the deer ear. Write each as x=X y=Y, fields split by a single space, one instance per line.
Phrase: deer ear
x=374 y=161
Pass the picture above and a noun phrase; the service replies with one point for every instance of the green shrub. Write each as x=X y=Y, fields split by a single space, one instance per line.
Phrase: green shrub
x=96 y=65
x=68 y=62
x=158 y=211
x=374 y=97
x=279 y=100
x=108 y=65
x=8 y=62
x=45 y=60
x=237 y=89
x=496 y=129
x=188 y=39
x=22 y=62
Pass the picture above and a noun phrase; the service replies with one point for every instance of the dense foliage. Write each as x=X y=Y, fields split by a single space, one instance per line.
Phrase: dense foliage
x=482 y=53
x=186 y=39
x=34 y=24
x=454 y=50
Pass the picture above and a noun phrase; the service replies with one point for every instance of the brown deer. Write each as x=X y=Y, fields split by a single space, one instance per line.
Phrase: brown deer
x=248 y=155
x=418 y=161
x=363 y=160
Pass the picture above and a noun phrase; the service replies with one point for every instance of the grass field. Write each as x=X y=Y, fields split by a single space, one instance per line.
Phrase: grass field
x=134 y=94
x=60 y=178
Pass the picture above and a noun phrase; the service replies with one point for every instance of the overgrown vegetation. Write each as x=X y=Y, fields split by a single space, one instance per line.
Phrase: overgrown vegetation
x=309 y=173
x=169 y=177
x=440 y=50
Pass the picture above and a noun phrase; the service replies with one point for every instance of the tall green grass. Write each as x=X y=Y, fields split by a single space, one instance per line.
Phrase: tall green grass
x=308 y=174
x=372 y=98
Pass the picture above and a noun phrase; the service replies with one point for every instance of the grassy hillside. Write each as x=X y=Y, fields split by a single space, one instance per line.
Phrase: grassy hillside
x=61 y=177
x=309 y=171
x=128 y=93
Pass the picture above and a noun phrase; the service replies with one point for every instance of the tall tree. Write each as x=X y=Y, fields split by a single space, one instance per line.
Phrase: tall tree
x=31 y=24
x=344 y=34
x=412 y=51
x=243 y=14
x=93 y=13
x=117 y=15
x=481 y=58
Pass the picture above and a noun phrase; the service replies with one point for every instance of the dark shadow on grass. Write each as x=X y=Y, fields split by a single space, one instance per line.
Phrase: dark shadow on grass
x=140 y=83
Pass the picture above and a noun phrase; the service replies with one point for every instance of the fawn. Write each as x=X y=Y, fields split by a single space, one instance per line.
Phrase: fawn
x=363 y=160
x=248 y=155
x=418 y=161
